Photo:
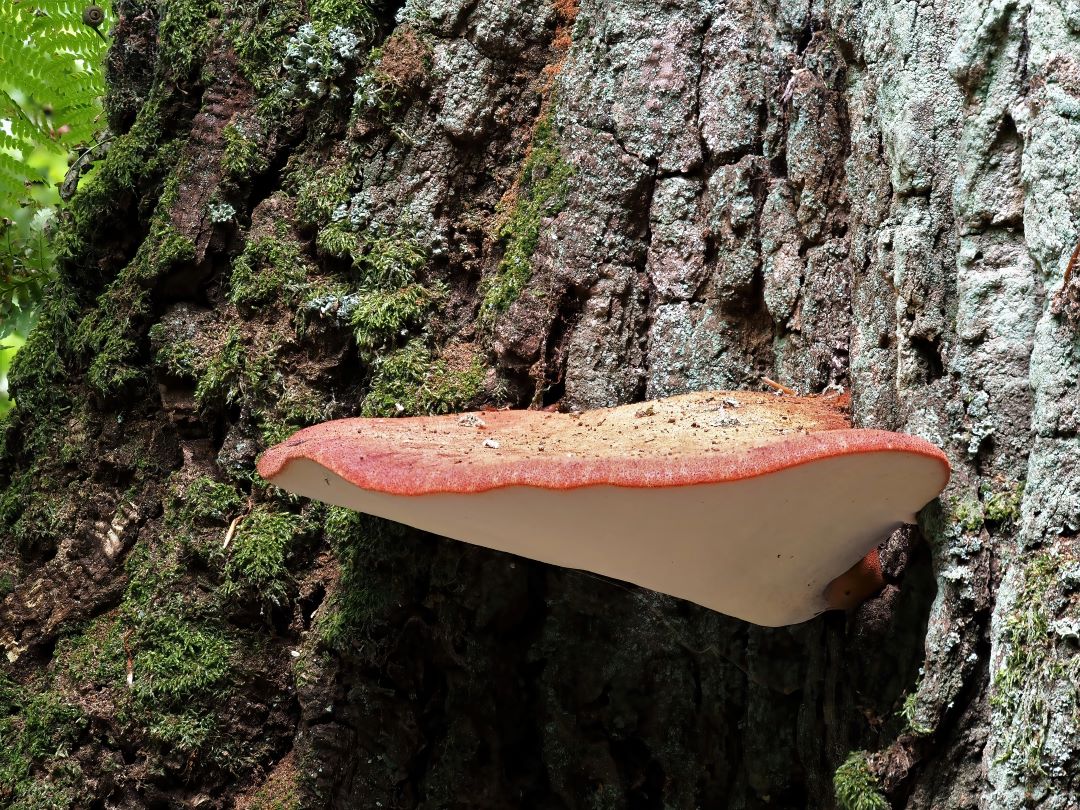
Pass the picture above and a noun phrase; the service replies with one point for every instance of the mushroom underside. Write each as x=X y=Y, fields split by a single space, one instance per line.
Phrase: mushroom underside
x=762 y=548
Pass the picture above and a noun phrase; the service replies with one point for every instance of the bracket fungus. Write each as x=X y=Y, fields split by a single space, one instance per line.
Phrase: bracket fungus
x=761 y=507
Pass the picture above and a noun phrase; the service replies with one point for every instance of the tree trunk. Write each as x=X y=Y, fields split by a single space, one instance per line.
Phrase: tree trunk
x=526 y=204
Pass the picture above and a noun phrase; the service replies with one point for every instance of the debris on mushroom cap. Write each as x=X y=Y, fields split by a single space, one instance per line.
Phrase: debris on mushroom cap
x=753 y=516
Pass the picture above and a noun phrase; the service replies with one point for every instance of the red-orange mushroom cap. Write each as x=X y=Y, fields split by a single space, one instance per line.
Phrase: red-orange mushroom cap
x=749 y=504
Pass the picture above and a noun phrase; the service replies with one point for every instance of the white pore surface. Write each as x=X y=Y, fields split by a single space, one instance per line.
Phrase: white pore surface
x=760 y=549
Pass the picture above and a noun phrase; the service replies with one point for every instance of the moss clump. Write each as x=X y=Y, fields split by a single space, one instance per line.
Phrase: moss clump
x=1037 y=657
x=408 y=381
x=1003 y=506
x=14 y=500
x=298 y=406
x=390 y=303
x=395 y=71
x=366 y=548
x=36 y=727
x=280 y=791
x=258 y=553
x=910 y=712
x=259 y=36
x=107 y=334
x=276 y=799
x=967 y=513
x=39 y=369
x=319 y=192
x=234 y=374
x=542 y=192
x=382 y=316
x=352 y=14
x=390 y=261
x=110 y=332
x=185 y=33
x=164 y=249
x=33 y=513
x=181 y=651
x=94 y=653
x=269 y=267
x=136 y=160
x=339 y=240
x=220 y=381
x=180 y=358
x=179 y=656
x=855 y=787
x=184 y=732
x=205 y=501
x=243 y=156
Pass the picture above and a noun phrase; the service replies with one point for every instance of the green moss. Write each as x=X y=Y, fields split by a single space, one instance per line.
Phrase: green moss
x=38 y=372
x=152 y=569
x=390 y=303
x=180 y=358
x=184 y=732
x=393 y=72
x=39 y=520
x=382 y=316
x=178 y=657
x=36 y=728
x=856 y=788
x=910 y=712
x=1003 y=506
x=967 y=513
x=138 y=159
x=259 y=550
x=205 y=500
x=542 y=192
x=365 y=547
x=163 y=250
x=408 y=381
x=353 y=14
x=14 y=499
x=390 y=261
x=182 y=652
x=269 y=267
x=1036 y=658
x=234 y=374
x=319 y=191
x=337 y=240
x=259 y=38
x=276 y=797
x=243 y=157
x=110 y=333
x=219 y=384
x=185 y=33
x=197 y=514
x=299 y=406
x=94 y=653
x=184 y=656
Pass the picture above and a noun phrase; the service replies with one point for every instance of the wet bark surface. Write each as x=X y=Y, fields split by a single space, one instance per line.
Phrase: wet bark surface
x=311 y=212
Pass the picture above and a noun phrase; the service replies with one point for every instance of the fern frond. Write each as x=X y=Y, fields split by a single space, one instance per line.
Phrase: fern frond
x=51 y=83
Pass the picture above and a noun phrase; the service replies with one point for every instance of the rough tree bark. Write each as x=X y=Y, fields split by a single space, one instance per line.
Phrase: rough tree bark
x=521 y=204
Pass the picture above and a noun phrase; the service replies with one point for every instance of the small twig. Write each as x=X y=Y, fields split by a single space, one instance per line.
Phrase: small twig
x=774 y=384
x=236 y=523
x=130 y=661
x=1069 y=267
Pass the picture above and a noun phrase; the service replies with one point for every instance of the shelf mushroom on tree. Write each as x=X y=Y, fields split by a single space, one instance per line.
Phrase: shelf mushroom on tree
x=761 y=507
